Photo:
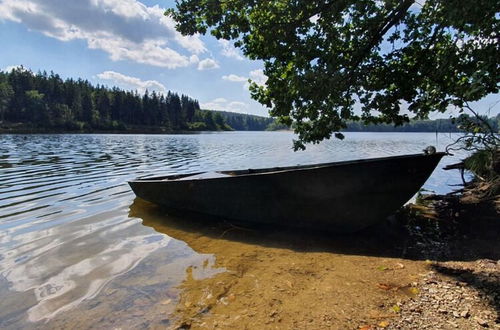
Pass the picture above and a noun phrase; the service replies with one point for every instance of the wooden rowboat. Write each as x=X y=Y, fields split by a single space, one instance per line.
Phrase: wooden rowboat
x=342 y=196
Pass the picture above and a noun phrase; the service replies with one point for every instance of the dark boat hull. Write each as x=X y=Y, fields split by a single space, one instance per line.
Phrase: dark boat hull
x=342 y=196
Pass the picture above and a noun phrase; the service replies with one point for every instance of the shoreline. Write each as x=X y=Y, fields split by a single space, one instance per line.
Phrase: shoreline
x=459 y=232
x=19 y=128
x=158 y=131
x=153 y=130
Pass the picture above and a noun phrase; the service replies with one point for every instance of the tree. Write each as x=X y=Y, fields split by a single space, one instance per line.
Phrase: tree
x=219 y=121
x=175 y=110
x=51 y=102
x=103 y=104
x=117 y=105
x=146 y=109
x=21 y=80
x=6 y=94
x=324 y=58
x=164 y=120
x=36 y=108
x=209 y=121
x=61 y=115
x=89 y=114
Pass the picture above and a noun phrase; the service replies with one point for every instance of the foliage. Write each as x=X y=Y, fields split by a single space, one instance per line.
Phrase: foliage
x=219 y=122
x=482 y=139
x=46 y=101
x=244 y=122
x=322 y=57
x=481 y=164
x=438 y=125
x=6 y=94
x=276 y=126
x=197 y=126
x=36 y=107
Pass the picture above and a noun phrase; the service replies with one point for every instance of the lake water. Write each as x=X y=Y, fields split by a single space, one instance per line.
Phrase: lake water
x=74 y=251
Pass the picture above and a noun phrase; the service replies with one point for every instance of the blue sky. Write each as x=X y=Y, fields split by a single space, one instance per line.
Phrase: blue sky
x=125 y=43
x=132 y=45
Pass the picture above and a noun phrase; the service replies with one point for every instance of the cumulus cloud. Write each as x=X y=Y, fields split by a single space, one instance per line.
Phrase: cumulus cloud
x=132 y=83
x=207 y=64
x=194 y=59
x=125 y=29
x=256 y=76
x=229 y=50
x=235 y=78
x=225 y=105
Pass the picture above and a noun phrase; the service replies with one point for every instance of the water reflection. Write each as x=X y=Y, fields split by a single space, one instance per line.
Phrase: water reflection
x=287 y=277
x=68 y=265
x=68 y=243
x=384 y=240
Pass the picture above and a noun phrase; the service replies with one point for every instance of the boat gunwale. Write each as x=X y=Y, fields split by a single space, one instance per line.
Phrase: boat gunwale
x=285 y=169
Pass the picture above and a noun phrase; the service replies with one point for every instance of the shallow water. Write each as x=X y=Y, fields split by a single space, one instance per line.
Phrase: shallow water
x=74 y=243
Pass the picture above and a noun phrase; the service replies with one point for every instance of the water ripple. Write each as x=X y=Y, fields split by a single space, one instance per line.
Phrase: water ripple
x=65 y=232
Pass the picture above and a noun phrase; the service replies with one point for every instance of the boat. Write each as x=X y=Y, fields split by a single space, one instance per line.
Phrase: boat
x=344 y=196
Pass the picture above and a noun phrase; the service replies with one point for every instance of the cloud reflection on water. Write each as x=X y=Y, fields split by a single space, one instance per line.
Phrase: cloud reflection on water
x=65 y=232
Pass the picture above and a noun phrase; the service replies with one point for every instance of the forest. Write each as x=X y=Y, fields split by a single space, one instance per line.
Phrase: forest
x=244 y=122
x=46 y=102
x=448 y=125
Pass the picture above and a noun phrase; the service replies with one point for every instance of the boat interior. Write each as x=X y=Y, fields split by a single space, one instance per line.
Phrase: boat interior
x=250 y=171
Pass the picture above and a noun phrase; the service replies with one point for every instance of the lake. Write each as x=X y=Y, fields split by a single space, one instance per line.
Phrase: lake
x=77 y=249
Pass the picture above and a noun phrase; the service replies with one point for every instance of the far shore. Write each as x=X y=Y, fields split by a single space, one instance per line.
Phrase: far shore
x=132 y=130
x=155 y=130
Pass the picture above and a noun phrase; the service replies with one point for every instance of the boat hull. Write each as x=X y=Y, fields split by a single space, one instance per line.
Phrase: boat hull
x=341 y=197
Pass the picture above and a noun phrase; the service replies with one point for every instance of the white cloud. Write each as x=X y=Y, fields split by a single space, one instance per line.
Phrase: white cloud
x=12 y=67
x=150 y=52
x=125 y=29
x=194 y=59
x=207 y=64
x=191 y=43
x=132 y=83
x=314 y=19
x=225 y=105
x=258 y=77
x=235 y=78
x=229 y=50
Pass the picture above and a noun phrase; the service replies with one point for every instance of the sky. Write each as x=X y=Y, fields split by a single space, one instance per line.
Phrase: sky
x=129 y=44
x=132 y=45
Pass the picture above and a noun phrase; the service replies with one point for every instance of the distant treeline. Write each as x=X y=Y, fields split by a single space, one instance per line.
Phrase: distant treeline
x=451 y=125
x=47 y=101
x=439 y=125
x=244 y=122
